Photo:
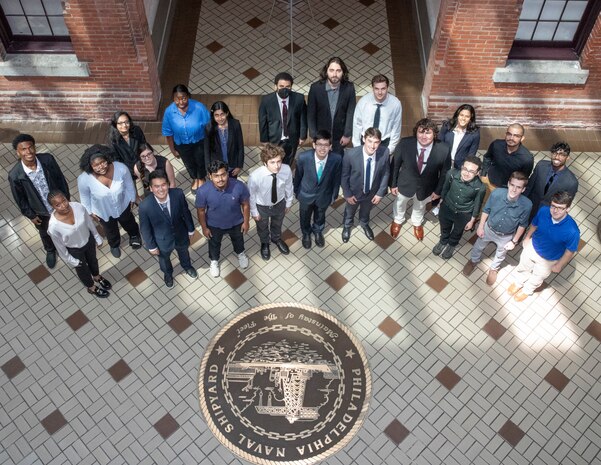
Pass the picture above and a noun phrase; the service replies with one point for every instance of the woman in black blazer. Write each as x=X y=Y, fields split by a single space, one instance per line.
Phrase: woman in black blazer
x=125 y=138
x=463 y=126
x=224 y=132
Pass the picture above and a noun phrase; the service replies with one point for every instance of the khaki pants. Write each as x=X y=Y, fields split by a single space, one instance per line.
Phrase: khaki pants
x=532 y=269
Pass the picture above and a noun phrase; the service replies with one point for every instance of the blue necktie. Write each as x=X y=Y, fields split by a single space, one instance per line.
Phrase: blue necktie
x=367 y=186
x=165 y=209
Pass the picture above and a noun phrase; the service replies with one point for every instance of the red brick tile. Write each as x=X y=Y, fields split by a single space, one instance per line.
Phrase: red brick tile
x=179 y=323
x=77 y=320
x=13 y=367
x=494 y=329
x=166 y=426
x=136 y=276
x=390 y=327
x=214 y=46
x=330 y=23
x=511 y=433
x=396 y=432
x=251 y=73
x=437 y=282
x=53 y=422
x=448 y=378
x=38 y=274
x=336 y=281
x=119 y=370
x=235 y=279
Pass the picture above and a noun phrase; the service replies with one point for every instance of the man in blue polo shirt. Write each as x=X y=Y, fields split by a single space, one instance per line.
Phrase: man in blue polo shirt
x=550 y=244
x=223 y=207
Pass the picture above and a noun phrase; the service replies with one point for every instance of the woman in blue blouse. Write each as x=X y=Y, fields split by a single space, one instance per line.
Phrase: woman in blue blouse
x=184 y=124
x=224 y=139
x=107 y=191
x=461 y=134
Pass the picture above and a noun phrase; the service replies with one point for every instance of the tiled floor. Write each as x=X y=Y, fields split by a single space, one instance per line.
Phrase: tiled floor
x=461 y=373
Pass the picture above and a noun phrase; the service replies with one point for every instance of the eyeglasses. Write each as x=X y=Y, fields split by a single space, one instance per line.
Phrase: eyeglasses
x=322 y=146
x=558 y=208
x=123 y=123
x=146 y=155
x=465 y=170
x=559 y=154
x=513 y=135
x=101 y=164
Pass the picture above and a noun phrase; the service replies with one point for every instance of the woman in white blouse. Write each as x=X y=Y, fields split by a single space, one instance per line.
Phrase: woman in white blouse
x=75 y=238
x=107 y=191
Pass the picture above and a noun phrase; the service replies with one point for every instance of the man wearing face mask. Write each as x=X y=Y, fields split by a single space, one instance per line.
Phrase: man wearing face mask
x=283 y=117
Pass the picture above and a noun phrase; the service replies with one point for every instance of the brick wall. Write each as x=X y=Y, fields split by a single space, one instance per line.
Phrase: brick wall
x=112 y=36
x=473 y=38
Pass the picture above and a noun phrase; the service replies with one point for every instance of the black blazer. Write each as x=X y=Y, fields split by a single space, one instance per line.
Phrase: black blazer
x=319 y=116
x=353 y=174
x=535 y=190
x=26 y=195
x=306 y=188
x=160 y=232
x=235 y=145
x=409 y=180
x=270 y=118
x=127 y=153
x=468 y=145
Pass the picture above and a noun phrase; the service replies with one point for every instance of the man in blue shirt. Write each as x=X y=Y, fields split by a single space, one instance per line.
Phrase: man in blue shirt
x=223 y=207
x=503 y=221
x=550 y=244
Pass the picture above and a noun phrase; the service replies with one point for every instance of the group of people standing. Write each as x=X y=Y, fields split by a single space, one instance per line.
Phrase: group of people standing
x=498 y=195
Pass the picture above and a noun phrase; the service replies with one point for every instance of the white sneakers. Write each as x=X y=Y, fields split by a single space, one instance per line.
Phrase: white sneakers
x=214 y=269
x=243 y=260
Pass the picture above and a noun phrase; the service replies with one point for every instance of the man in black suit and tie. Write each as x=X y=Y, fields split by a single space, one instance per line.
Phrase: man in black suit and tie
x=419 y=166
x=166 y=224
x=283 y=117
x=331 y=104
x=365 y=172
x=550 y=177
x=316 y=184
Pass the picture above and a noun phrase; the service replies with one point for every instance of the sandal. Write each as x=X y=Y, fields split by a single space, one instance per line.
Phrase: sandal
x=104 y=283
x=98 y=292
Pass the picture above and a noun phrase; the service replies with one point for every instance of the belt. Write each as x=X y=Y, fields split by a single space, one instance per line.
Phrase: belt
x=270 y=206
x=499 y=233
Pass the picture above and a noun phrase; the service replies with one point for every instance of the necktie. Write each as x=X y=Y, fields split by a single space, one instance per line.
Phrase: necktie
x=420 y=160
x=285 y=118
x=367 y=186
x=377 y=117
x=320 y=171
x=549 y=182
x=274 y=189
x=165 y=209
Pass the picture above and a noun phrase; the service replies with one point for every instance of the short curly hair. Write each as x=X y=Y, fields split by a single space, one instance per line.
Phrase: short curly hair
x=93 y=152
x=22 y=138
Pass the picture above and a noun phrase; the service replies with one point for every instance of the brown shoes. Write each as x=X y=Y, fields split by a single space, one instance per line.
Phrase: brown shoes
x=468 y=268
x=513 y=289
x=520 y=296
x=395 y=229
x=492 y=277
x=418 y=232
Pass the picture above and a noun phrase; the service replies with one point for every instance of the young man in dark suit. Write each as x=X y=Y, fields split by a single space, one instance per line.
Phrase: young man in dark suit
x=365 y=172
x=331 y=104
x=166 y=224
x=316 y=184
x=419 y=166
x=550 y=177
x=283 y=117
x=31 y=179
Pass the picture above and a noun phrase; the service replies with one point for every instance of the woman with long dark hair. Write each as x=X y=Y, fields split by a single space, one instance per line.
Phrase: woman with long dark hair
x=125 y=138
x=461 y=134
x=224 y=139
x=150 y=161
x=184 y=124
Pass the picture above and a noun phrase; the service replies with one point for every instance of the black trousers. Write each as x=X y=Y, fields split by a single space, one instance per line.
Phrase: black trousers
x=217 y=234
x=270 y=224
x=289 y=151
x=452 y=224
x=193 y=156
x=88 y=263
x=127 y=222
x=308 y=211
x=364 y=206
x=43 y=230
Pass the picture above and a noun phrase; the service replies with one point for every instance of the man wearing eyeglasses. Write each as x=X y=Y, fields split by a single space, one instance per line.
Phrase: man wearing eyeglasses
x=550 y=244
x=316 y=184
x=550 y=177
x=503 y=157
x=462 y=195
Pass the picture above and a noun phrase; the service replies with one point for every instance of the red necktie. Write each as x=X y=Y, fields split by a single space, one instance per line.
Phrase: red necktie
x=285 y=118
x=420 y=160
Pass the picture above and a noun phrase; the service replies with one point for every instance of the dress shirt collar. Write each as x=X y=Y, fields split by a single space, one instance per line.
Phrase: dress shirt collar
x=28 y=171
x=163 y=203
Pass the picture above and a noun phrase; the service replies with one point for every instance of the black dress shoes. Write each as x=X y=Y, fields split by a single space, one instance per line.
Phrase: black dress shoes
x=104 y=283
x=99 y=292
x=169 y=281
x=319 y=240
x=368 y=232
x=346 y=234
x=265 y=253
x=282 y=246
x=51 y=259
x=307 y=241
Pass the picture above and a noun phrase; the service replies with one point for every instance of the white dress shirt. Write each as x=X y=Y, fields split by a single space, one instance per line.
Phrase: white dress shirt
x=259 y=185
x=319 y=162
x=72 y=235
x=426 y=154
x=390 y=119
x=103 y=201
x=457 y=137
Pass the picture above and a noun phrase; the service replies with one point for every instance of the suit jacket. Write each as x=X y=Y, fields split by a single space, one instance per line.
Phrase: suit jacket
x=26 y=195
x=353 y=174
x=161 y=232
x=270 y=118
x=409 y=180
x=319 y=116
x=127 y=152
x=306 y=188
x=468 y=146
x=235 y=145
x=535 y=190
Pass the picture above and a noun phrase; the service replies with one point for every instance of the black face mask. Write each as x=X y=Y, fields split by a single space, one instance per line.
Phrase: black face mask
x=284 y=92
